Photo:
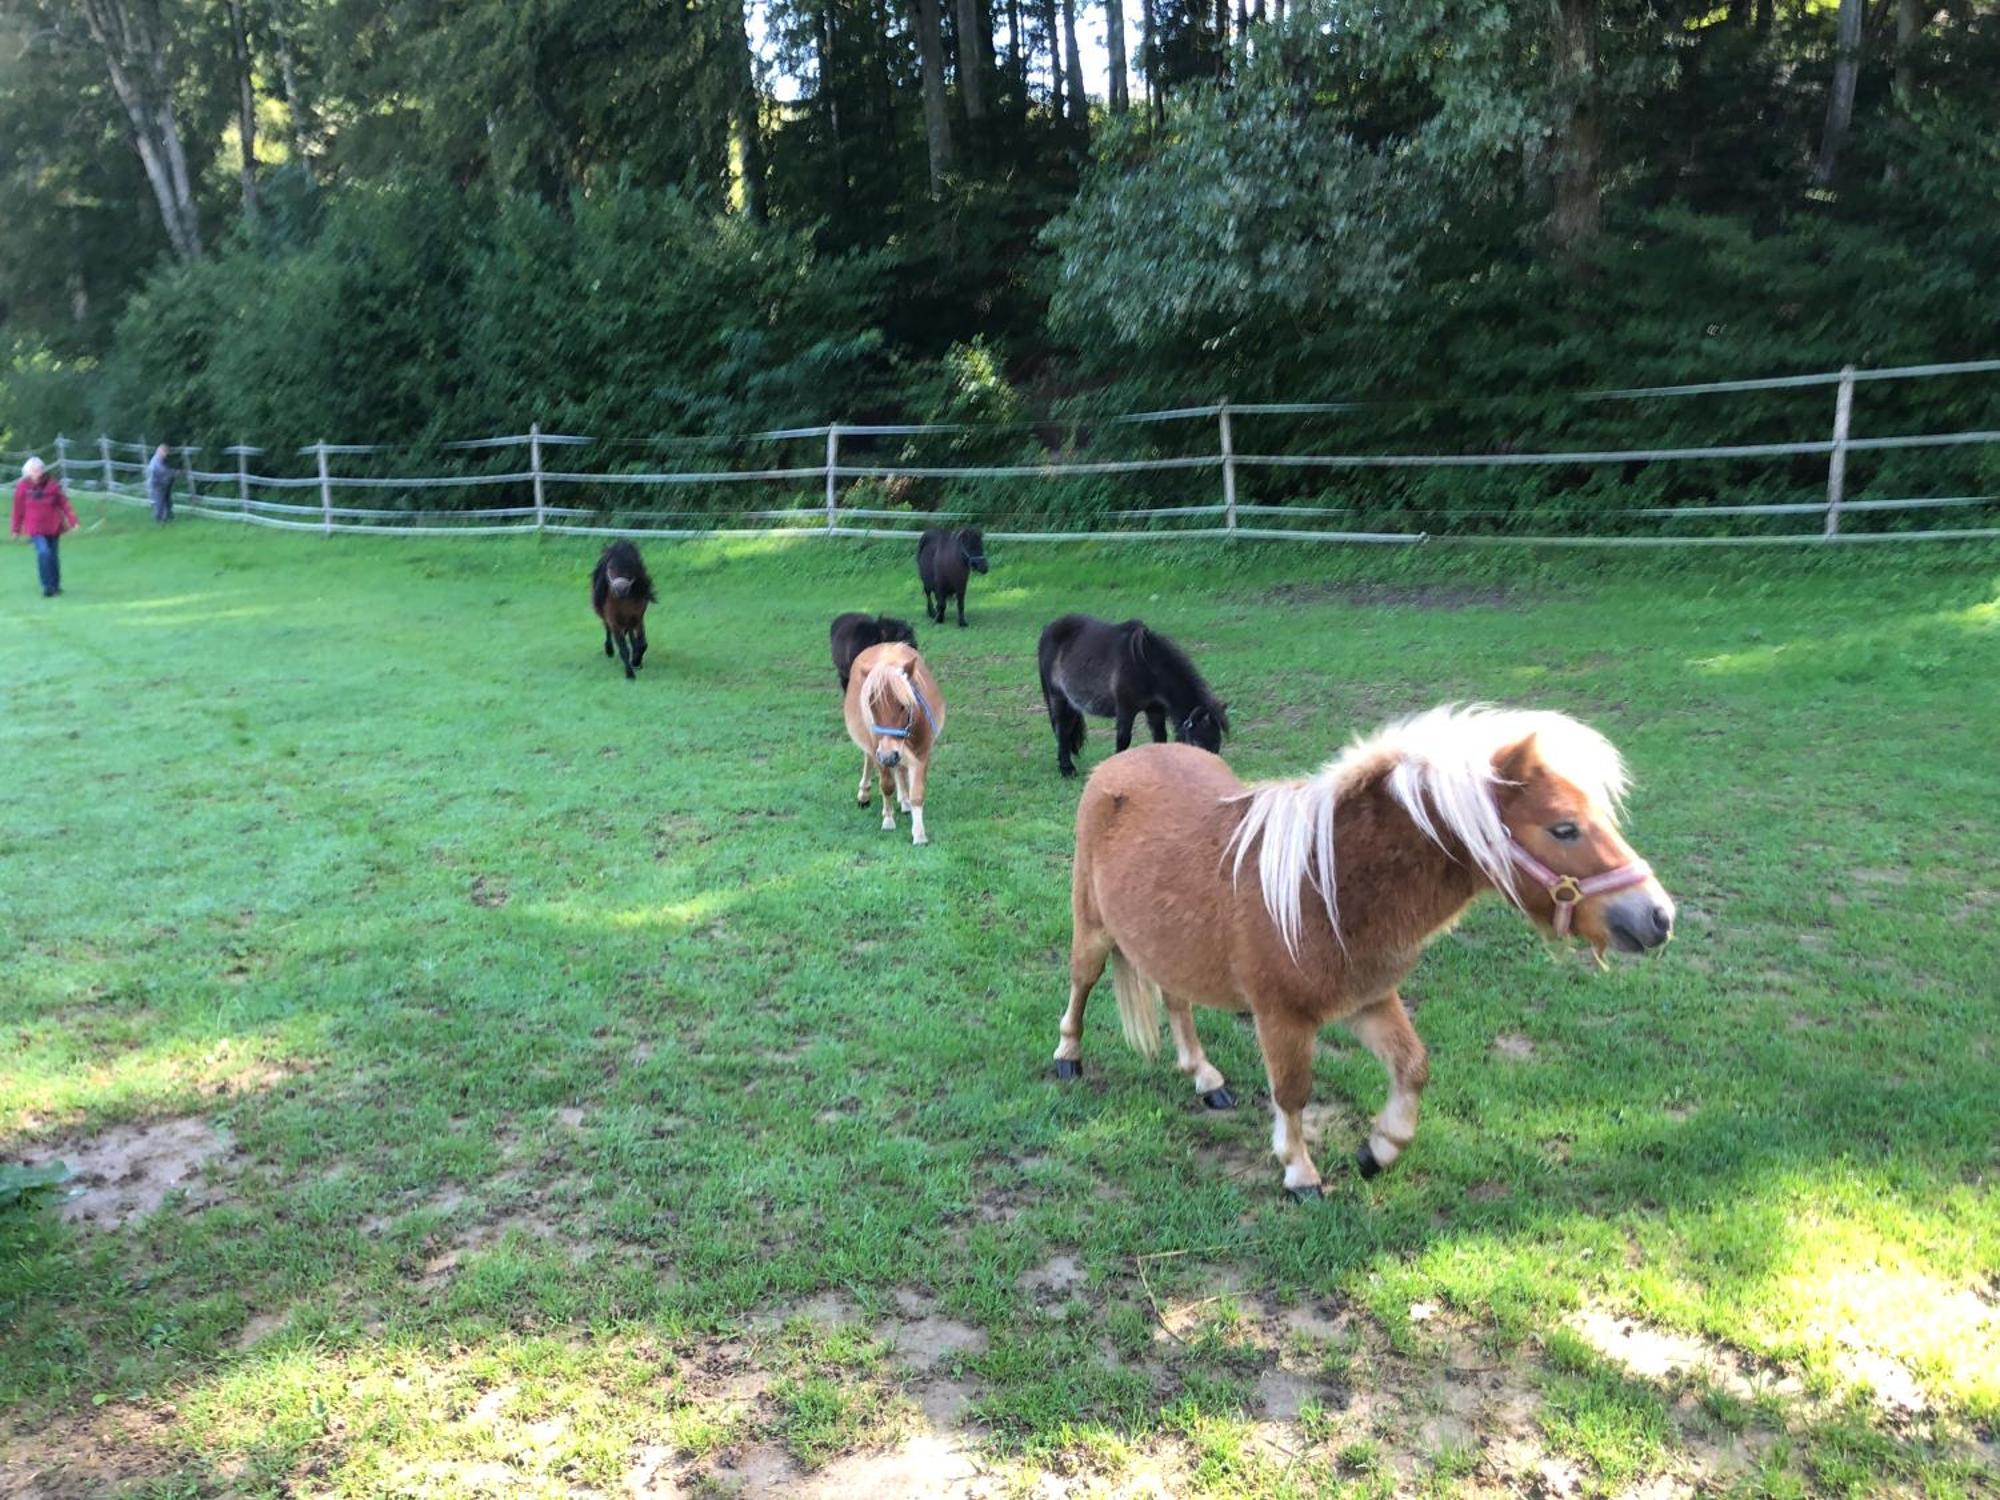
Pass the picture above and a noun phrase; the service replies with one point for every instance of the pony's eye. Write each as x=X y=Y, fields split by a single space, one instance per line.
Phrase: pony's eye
x=1566 y=833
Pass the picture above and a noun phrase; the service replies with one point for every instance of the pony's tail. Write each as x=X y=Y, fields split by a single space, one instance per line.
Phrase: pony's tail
x=1138 y=1006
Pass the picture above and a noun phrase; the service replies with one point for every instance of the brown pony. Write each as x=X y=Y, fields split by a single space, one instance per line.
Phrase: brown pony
x=895 y=713
x=1355 y=870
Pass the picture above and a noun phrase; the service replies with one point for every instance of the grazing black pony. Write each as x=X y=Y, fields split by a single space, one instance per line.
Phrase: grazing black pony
x=854 y=633
x=620 y=590
x=943 y=560
x=1091 y=666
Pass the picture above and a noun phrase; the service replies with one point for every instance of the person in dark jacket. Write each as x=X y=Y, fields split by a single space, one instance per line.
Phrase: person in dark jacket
x=42 y=514
x=160 y=484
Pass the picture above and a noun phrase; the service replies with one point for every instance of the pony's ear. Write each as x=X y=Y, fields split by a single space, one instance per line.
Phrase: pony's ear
x=1514 y=763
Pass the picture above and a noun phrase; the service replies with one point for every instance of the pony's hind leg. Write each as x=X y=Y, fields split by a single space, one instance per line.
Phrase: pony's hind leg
x=1089 y=951
x=861 y=798
x=888 y=779
x=608 y=650
x=1156 y=723
x=1384 y=1029
x=1288 y=1059
x=1191 y=1060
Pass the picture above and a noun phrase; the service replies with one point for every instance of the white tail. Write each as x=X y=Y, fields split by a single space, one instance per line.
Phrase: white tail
x=1138 y=1006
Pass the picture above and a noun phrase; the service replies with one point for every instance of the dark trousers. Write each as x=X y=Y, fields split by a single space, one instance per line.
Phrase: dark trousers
x=48 y=564
x=163 y=506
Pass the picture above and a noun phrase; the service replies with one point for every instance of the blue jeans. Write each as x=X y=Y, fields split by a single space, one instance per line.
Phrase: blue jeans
x=48 y=564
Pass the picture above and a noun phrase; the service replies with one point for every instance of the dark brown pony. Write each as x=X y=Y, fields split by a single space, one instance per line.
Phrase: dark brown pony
x=945 y=559
x=895 y=714
x=1351 y=872
x=853 y=633
x=620 y=590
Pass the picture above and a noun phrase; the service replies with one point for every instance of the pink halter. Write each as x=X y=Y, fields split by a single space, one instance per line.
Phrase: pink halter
x=1567 y=891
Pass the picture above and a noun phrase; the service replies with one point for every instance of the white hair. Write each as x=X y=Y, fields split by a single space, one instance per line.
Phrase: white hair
x=34 y=468
x=1439 y=765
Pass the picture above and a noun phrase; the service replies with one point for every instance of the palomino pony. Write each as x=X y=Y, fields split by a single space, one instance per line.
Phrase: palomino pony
x=1091 y=666
x=852 y=633
x=620 y=590
x=895 y=713
x=943 y=560
x=1355 y=869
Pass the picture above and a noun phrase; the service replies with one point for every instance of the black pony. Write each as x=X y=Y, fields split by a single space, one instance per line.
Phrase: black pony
x=1091 y=666
x=854 y=633
x=620 y=590
x=943 y=560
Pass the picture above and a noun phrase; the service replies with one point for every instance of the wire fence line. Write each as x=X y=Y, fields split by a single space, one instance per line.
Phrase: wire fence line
x=208 y=494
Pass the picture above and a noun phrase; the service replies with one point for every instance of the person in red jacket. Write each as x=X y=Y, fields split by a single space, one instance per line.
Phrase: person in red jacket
x=42 y=514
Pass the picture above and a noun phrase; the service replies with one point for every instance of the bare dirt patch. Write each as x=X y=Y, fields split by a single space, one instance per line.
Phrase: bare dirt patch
x=129 y=1171
x=104 y=1453
x=1511 y=1046
x=1439 y=596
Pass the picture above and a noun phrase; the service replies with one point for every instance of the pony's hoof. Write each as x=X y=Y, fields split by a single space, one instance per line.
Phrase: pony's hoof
x=1068 y=1067
x=1306 y=1194
x=1067 y=770
x=1364 y=1158
x=1219 y=1099
x=630 y=675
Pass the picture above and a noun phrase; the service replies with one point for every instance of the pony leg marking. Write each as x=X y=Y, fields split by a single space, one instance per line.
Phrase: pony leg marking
x=903 y=790
x=1288 y=1059
x=1384 y=1029
x=1191 y=1060
x=917 y=834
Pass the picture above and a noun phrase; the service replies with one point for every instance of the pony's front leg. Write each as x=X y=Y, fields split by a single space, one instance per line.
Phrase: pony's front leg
x=625 y=652
x=1125 y=718
x=1384 y=1029
x=867 y=773
x=608 y=649
x=1288 y=1059
x=1192 y=1060
x=639 y=649
x=917 y=773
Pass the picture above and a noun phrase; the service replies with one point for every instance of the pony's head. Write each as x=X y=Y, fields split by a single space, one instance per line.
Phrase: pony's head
x=893 y=708
x=889 y=628
x=1558 y=789
x=1204 y=725
x=972 y=547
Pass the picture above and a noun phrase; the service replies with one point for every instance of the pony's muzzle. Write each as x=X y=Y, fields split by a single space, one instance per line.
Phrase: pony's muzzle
x=1641 y=919
x=888 y=760
x=621 y=586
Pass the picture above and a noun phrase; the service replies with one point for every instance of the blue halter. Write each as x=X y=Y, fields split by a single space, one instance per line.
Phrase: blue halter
x=902 y=734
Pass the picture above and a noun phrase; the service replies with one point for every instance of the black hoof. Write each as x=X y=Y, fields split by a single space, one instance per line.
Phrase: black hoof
x=630 y=675
x=1306 y=1194
x=1364 y=1158
x=1067 y=1068
x=1219 y=1099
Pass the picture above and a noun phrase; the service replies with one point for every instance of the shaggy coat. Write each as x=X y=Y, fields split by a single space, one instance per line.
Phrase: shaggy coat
x=1091 y=666
x=894 y=713
x=855 y=632
x=620 y=590
x=945 y=559
x=1308 y=901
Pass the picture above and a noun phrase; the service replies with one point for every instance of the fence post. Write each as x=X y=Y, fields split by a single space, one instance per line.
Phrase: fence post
x=832 y=484
x=1228 y=468
x=243 y=479
x=62 y=459
x=535 y=466
x=187 y=471
x=104 y=457
x=325 y=488
x=1836 y=463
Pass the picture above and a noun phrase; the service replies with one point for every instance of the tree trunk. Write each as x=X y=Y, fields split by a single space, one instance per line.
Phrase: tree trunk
x=1221 y=38
x=1767 y=11
x=1840 y=104
x=1117 y=93
x=1149 y=62
x=246 y=106
x=1079 y=105
x=1579 y=208
x=746 y=119
x=937 y=121
x=1052 y=23
x=132 y=36
x=972 y=66
x=1909 y=26
x=1017 y=54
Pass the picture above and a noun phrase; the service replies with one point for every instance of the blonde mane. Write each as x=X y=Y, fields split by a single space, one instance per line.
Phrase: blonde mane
x=1439 y=766
x=893 y=677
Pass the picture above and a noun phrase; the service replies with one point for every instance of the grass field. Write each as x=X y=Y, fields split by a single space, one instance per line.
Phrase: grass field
x=549 y=1084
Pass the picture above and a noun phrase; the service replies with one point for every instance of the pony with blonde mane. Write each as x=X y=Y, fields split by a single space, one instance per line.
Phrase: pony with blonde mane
x=1307 y=901
x=895 y=714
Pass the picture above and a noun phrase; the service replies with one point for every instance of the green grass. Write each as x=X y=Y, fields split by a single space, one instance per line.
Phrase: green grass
x=571 y=1033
